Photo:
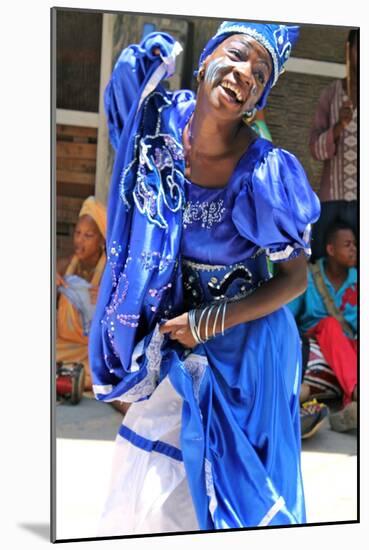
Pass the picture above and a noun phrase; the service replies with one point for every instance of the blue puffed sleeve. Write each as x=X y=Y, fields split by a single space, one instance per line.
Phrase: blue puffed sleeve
x=276 y=206
x=133 y=67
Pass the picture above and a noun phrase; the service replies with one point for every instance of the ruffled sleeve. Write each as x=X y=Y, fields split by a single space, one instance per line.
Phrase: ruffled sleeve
x=276 y=206
x=133 y=70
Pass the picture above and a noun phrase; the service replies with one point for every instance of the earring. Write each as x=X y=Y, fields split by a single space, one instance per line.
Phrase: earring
x=200 y=74
x=249 y=115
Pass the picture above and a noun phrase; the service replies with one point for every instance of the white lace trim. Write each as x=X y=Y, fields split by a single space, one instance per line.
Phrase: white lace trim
x=210 y=490
x=149 y=383
x=145 y=387
x=196 y=365
x=286 y=253
x=283 y=254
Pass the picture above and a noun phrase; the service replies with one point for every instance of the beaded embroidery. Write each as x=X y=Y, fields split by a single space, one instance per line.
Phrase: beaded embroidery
x=208 y=213
x=202 y=267
x=128 y=319
x=113 y=259
x=231 y=282
x=154 y=178
x=110 y=330
x=154 y=260
x=218 y=289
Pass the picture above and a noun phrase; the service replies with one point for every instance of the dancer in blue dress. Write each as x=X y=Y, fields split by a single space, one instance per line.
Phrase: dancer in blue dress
x=190 y=327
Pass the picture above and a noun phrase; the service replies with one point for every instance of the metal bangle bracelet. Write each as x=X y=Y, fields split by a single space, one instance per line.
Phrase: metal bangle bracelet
x=216 y=318
x=207 y=322
x=191 y=322
x=223 y=317
x=198 y=326
x=198 y=337
x=195 y=329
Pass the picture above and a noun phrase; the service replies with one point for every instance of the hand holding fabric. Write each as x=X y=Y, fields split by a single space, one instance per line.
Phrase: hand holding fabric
x=178 y=329
x=60 y=281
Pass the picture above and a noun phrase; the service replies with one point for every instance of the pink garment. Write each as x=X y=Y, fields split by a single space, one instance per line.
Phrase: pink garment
x=339 y=176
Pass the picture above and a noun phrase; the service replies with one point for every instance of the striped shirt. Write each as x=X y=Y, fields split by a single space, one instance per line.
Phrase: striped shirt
x=339 y=175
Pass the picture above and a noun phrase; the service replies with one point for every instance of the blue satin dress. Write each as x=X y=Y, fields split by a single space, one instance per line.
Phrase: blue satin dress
x=212 y=440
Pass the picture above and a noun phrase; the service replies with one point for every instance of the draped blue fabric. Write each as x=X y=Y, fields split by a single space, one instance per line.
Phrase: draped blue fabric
x=144 y=214
x=172 y=245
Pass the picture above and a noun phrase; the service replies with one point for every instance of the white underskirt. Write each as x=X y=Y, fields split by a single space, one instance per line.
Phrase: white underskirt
x=149 y=491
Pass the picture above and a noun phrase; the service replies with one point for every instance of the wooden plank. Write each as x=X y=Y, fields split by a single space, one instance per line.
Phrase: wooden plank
x=80 y=131
x=76 y=165
x=64 y=246
x=64 y=228
x=75 y=177
x=67 y=209
x=69 y=203
x=74 y=189
x=76 y=150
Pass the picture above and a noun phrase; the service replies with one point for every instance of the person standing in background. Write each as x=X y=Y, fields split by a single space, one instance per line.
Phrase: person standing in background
x=333 y=140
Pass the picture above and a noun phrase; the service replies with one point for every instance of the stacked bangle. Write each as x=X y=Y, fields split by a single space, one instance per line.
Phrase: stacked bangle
x=195 y=326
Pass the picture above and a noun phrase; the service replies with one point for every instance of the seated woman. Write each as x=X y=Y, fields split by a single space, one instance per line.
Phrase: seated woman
x=86 y=265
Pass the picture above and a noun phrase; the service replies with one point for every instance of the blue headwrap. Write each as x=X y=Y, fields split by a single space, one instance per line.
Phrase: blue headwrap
x=276 y=39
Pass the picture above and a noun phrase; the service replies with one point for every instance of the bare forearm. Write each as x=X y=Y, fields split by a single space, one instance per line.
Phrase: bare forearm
x=272 y=295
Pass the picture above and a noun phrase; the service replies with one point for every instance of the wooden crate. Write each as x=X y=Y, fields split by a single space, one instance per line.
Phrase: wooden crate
x=76 y=148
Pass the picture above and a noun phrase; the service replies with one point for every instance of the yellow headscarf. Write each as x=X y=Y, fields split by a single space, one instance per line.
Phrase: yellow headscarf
x=97 y=211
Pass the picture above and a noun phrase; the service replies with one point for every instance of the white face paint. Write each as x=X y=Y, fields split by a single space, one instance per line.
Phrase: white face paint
x=228 y=69
x=216 y=70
